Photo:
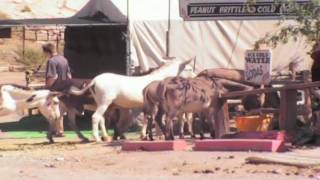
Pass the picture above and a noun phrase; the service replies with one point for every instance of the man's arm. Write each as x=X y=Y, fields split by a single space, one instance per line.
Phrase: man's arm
x=69 y=73
x=49 y=82
x=51 y=74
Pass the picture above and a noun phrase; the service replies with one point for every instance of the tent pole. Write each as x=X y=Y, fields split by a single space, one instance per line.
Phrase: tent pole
x=128 y=41
x=168 y=32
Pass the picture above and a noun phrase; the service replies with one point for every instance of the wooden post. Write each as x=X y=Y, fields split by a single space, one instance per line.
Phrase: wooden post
x=288 y=110
x=222 y=122
x=23 y=42
x=308 y=104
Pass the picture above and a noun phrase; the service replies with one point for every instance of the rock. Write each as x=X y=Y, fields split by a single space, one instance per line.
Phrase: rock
x=311 y=176
x=231 y=157
x=110 y=164
x=60 y=159
x=50 y=165
x=207 y=171
x=218 y=158
x=274 y=172
x=184 y=163
x=175 y=172
x=217 y=168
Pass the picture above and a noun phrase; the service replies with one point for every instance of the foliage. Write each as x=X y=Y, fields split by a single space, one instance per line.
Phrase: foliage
x=32 y=57
x=4 y=15
x=26 y=9
x=307 y=25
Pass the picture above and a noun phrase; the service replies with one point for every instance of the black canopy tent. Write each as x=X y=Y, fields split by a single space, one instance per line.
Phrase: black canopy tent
x=93 y=45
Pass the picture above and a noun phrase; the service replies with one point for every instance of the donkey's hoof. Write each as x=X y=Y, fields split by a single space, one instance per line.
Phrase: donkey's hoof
x=106 y=139
x=143 y=138
x=169 y=138
x=85 y=140
x=201 y=136
x=123 y=137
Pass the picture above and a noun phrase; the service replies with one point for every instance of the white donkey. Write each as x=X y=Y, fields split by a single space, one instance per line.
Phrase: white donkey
x=124 y=91
x=16 y=98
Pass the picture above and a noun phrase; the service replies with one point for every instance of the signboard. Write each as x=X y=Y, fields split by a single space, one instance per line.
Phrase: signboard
x=258 y=66
x=235 y=9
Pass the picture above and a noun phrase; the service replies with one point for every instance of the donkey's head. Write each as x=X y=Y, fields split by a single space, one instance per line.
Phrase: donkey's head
x=7 y=102
x=185 y=68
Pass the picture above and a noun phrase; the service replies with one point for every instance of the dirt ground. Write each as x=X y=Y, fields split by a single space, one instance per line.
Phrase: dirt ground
x=68 y=159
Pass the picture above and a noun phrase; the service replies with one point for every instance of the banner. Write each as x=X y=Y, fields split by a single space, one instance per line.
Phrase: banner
x=235 y=9
x=258 y=66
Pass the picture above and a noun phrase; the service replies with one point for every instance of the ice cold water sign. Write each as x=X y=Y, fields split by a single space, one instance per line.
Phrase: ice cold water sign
x=258 y=66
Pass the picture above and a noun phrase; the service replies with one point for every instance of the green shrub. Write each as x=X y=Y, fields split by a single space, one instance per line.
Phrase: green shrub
x=4 y=15
x=32 y=57
x=26 y=9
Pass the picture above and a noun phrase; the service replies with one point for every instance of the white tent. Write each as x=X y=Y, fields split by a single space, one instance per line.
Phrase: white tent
x=214 y=43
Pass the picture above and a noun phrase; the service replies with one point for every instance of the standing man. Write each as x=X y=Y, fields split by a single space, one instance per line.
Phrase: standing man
x=57 y=71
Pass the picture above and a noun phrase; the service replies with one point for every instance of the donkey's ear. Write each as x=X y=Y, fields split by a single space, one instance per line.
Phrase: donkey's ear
x=189 y=61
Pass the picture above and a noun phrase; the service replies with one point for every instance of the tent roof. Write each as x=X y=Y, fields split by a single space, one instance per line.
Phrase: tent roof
x=95 y=12
x=113 y=11
x=58 y=21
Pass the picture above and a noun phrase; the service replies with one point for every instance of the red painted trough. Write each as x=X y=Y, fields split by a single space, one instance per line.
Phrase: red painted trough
x=269 y=145
x=276 y=135
x=177 y=145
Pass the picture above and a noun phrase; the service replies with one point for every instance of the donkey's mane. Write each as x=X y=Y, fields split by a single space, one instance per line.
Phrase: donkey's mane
x=161 y=67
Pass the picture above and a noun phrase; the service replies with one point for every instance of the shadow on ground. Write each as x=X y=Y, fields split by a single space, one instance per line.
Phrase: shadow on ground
x=39 y=123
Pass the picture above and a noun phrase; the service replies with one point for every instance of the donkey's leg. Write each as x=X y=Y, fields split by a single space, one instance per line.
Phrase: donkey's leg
x=105 y=136
x=181 y=121
x=211 y=117
x=158 y=119
x=51 y=118
x=203 y=118
x=97 y=117
x=149 y=126
x=51 y=128
x=145 y=126
x=159 y=133
x=169 y=125
x=125 y=121
x=189 y=117
x=71 y=114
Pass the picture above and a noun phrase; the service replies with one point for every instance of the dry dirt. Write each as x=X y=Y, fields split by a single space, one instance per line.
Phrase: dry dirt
x=68 y=159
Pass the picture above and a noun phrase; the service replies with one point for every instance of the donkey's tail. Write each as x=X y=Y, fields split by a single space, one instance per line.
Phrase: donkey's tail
x=76 y=91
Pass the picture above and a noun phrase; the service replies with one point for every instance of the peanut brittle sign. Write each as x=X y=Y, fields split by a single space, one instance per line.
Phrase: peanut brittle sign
x=258 y=66
x=236 y=9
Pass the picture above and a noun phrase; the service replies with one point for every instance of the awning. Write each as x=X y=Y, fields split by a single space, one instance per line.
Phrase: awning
x=72 y=21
